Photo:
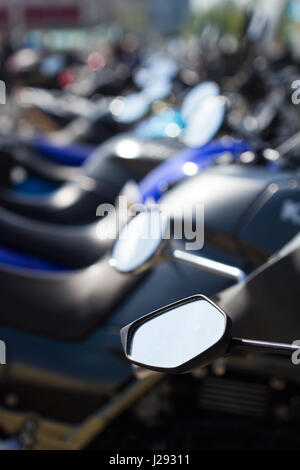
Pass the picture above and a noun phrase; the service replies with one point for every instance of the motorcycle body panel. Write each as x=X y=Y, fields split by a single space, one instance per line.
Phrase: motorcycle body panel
x=90 y=352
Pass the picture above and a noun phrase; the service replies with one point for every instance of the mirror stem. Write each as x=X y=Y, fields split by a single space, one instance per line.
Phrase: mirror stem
x=208 y=265
x=263 y=346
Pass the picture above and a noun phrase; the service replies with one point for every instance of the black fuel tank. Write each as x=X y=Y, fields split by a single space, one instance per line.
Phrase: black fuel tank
x=250 y=211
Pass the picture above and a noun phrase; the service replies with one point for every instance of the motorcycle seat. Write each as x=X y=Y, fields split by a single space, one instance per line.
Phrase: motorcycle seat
x=75 y=247
x=63 y=305
x=100 y=180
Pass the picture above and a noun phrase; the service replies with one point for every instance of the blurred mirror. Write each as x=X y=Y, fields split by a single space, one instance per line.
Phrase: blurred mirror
x=206 y=122
x=156 y=68
x=138 y=242
x=162 y=66
x=196 y=96
x=142 y=77
x=158 y=90
x=22 y=60
x=131 y=108
x=164 y=124
x=52 y=64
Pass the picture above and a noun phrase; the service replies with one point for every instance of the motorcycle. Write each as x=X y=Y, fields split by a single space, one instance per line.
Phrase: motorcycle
x=83 y=327
x=66 y=378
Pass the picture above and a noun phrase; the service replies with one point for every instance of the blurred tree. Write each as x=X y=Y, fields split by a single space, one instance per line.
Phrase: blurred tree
x=226 y=16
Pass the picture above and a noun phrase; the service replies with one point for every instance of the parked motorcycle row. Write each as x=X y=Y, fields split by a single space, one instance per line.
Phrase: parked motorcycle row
x=215 y=127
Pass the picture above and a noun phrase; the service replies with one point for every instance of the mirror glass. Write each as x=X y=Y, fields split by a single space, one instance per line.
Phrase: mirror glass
x=22 y=60
x=52 y=64
x=142 y=77
x=258 y=22
x=195 y=96
x=158 y=90
x=162 y=66
x=165 y=124
x=205 y=123
x=156 y=68
x=131 y=108
x=138 y=241
x=178 y=335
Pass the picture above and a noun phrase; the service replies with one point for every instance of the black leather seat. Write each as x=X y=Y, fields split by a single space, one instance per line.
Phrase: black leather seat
x=100 y=180
x=61 y=305
x=72 y=246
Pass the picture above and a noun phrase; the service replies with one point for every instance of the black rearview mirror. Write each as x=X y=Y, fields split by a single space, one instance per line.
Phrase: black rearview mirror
x=178 y=338
x=140 y=243
x=186 y=335
x=144 y=242
x=205 y=122
x=196 y=96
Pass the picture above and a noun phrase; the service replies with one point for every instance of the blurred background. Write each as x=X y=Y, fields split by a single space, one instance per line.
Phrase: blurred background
x=72 y=44
x=57 y=22
x=84 y=25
